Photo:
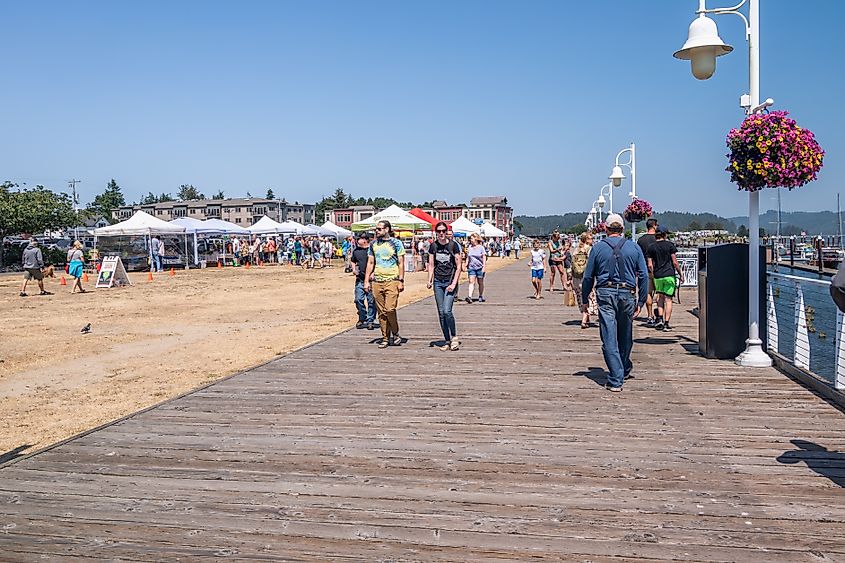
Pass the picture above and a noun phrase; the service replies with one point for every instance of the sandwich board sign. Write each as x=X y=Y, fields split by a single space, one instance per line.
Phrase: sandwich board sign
x=112 y=273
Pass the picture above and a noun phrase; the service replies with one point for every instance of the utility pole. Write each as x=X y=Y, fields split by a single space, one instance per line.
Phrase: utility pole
x=72 y=185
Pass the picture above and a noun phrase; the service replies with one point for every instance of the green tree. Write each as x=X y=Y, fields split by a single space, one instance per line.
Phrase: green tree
x=165 y=197
x=742 y=231
x=694 y=226
x=33 y=211
x=108 y=201
x=149 y=198
x=713 y=226
x=188 y=191
x=270 y=194
x=219 y=195
x=518 y=226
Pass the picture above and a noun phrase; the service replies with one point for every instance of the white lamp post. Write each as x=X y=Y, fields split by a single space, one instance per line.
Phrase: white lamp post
x=600 y=202
x=609 y=187
x=616 y=177
x=702 y=47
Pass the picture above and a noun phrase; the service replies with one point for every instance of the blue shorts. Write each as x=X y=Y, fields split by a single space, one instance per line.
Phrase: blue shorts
x=479 y=273
x=536 y=274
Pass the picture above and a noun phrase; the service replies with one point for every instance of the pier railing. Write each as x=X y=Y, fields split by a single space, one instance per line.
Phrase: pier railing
x=806 y=331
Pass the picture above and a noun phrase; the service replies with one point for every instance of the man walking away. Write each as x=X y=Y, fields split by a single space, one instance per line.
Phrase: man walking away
x=155 y=250
x=644 y=241
x=662 y=265
x=617 y=268
x=33 y=262
x=387 y=263
x=364 y=301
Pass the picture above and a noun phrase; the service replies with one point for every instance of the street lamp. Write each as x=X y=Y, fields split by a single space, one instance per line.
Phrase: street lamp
x=702 y=47
x=616 y=177
x=609 y=187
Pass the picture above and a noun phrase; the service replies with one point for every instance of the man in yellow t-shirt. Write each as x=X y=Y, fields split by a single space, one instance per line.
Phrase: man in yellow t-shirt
x=386 y=265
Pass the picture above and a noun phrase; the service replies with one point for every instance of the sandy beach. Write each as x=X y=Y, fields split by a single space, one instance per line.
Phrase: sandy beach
x=157 y=339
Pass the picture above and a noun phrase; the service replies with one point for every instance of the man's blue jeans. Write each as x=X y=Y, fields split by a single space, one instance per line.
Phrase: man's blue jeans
x=366 y=314
x=445 y=300
x=616 y=325
x=155 y=264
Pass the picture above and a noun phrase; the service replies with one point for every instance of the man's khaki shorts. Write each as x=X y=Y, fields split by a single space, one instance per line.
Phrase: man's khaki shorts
x=33 y=274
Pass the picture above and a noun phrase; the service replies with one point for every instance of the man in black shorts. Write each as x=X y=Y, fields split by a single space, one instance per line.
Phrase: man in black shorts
x=33 y=261
x=644 y=241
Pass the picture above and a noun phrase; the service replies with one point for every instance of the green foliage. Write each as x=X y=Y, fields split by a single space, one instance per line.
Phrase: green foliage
x=34 y=210
x=270 y=194
x=165 y=197
x=742 y=231
x=188 y=191
x=219 y=195
x=693 y=226
x=106 y=202
x=149 y=199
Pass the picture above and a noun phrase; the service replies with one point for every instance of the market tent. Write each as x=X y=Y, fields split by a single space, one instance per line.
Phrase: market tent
x=142 y=223
x=266 y=226
x=399 y=219
x=490 y=230
x=225 y=227
x=339 y=231
x=292 y=227
x=463 y=226
x=321 y=231
x=193 y=227
x=420 y=214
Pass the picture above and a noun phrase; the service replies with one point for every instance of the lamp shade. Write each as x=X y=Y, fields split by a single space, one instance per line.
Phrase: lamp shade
x=616 y=176
x=600 y=201
x=702 y=47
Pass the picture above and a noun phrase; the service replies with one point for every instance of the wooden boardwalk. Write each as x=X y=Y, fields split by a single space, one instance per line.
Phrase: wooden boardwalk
x=508 y=450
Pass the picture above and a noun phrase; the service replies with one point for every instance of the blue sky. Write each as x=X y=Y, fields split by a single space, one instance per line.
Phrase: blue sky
x=412 y=100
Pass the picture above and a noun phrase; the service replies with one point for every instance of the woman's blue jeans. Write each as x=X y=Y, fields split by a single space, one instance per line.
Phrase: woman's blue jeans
x=445 y=300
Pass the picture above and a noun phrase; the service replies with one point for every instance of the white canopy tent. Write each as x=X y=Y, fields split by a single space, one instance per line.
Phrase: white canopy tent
x=321 y=231
x=267 y=226
x=463 y=226
x=142 y=224
x=491 y=231
x=193 y=227
x=399 y=219
x=340 y=232
x=225 y=227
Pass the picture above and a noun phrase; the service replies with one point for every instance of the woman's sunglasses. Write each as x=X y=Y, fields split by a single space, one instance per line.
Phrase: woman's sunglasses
x=441 y=230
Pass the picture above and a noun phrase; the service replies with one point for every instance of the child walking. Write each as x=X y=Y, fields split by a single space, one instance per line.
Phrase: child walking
x=537 y=265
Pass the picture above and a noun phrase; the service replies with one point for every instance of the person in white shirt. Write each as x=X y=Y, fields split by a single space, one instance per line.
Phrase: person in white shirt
x=537 y=265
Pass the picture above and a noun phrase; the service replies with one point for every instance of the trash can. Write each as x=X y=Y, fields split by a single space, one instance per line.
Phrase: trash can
x=723 y=300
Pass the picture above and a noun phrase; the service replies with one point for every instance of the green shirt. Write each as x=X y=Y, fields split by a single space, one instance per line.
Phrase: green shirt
x=386 y=254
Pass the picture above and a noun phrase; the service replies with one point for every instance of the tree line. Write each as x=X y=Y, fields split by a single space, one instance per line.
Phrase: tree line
x=341 y=200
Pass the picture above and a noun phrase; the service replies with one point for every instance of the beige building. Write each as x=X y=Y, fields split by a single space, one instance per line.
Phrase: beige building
x=240 y=211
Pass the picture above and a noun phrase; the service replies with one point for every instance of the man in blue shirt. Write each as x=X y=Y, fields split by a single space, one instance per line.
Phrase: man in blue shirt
x=617 y=269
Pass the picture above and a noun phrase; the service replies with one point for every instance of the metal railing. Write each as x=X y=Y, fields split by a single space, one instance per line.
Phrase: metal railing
x=805 y=328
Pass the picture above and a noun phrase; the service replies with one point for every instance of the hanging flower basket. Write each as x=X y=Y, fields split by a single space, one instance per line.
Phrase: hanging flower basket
x=638 y=210
x=771 y=151
x=600 y=228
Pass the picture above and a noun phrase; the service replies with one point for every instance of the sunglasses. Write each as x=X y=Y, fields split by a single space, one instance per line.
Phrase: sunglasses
x=442 y=231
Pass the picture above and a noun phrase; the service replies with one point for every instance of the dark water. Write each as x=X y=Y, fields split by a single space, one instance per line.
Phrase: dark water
x=820 y=312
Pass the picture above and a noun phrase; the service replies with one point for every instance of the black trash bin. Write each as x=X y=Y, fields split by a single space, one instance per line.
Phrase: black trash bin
x=723 y=300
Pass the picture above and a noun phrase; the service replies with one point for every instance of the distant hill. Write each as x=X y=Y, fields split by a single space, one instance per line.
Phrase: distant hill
x=792 y=223
x=674 y=220
x=795 y=222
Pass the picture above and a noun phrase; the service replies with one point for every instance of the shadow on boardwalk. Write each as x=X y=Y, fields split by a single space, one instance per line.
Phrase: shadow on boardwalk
x=507 y=450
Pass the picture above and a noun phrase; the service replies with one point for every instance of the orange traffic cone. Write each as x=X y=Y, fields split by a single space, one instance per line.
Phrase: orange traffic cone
x=219 y=264
x=85 y=277
x=172 y=273
x=63 y=281
x=149 y=276
x=247 y=265
x=261 y=264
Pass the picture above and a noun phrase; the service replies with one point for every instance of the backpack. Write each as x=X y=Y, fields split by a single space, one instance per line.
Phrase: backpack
x=579 y=263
